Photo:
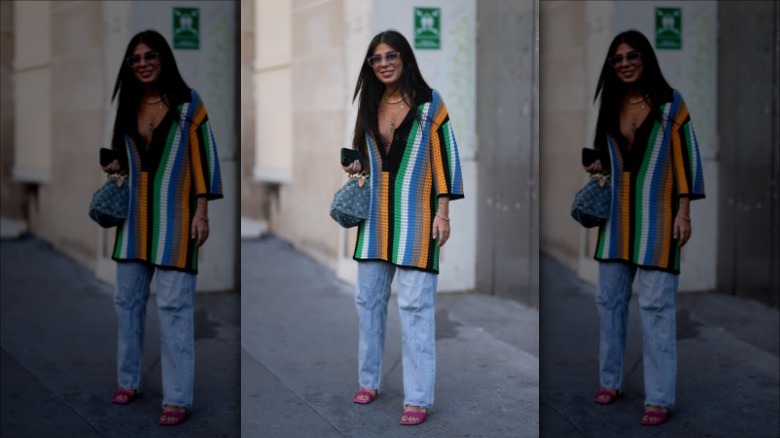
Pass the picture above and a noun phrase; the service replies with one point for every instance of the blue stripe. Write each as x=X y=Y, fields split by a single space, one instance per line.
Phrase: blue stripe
x=215 y=179
x=616 y=169
x=655 y=187
x=135 y=178
x=172 y=188
x=414 y=184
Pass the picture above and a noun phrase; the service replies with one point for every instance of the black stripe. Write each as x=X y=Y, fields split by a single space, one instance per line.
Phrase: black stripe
x=203 y=157
x=431 y=242
x=444 y=155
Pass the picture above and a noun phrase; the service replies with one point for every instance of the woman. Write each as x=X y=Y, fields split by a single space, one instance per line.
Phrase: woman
x=164 y=143
x=404 y=131
x=646 y=142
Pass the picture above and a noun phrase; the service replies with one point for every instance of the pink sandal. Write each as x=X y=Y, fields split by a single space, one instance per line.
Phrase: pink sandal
x=369 y=396
x=413 y=418
x=605 y=396
x=172 y=418
x=124 y=396
x=654 y=418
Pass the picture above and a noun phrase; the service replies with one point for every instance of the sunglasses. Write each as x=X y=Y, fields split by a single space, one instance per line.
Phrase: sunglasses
x=149 y=57
x=376 y=60
x=631 y=57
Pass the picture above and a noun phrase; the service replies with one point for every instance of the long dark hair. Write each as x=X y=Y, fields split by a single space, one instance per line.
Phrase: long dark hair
x=613 y=90
x=370 y=89
x=170 y=84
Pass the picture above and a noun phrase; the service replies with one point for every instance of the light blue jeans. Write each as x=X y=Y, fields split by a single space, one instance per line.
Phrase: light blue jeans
x=175 y=295
x=657 y=296
x=416 y=305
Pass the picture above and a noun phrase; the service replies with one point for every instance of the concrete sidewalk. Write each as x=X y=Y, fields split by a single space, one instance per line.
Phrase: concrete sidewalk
x=58 y=338
x=299 y=364
x=728 y=373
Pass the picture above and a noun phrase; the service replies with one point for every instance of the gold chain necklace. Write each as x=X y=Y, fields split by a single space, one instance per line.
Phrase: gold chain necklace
x=393 y=102
x=391 y=124
x=152 y=102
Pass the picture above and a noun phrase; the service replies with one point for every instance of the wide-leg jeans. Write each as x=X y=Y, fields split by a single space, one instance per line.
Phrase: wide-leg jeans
x=416 y=305
x=657 y=294
x=175 y=295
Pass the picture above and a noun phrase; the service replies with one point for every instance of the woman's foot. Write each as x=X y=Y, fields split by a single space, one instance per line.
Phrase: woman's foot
x=365 y=396
x=123 y=396
x=413 y=415
x=655 y=415
x=605 y=396
x=172 y=415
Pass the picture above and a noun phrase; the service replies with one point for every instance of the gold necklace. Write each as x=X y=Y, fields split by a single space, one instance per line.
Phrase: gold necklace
x=150 y=125
x=391 y=128
x=393 y=102
x=152 y=102
x=634 y=102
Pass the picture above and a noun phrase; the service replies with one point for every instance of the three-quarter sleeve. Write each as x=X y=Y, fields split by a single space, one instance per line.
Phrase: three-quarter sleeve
x=204 y=161
x=686 y=161
x=447 y=176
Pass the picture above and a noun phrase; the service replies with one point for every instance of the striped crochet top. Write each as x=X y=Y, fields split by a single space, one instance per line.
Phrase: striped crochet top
x=662 y=166
x=180 y=165
x=421 y=165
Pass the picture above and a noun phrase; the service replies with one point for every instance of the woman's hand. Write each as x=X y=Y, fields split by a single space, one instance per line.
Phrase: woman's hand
x=112 y=168
x=682 y=222
x=595 y=167
x=353 y=168
x=200 y=223
x=441 y=222
x=682 y=229
x=441 y=229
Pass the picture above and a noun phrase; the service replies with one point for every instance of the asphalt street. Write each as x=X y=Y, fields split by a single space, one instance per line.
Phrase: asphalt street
x=58 y=338
x=728 y=373
x=299 y=358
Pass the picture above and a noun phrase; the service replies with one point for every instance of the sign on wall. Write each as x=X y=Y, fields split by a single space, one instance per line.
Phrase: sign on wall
x=186 y=28
x=427 y=28
x=668 y=28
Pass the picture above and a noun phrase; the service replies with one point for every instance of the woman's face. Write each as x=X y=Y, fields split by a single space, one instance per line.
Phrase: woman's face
x=627 y=63
x=145 y=63
x=387 y=64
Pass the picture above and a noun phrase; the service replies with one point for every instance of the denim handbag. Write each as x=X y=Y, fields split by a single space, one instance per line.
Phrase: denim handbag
x=110 y=203
x=351 y=203
x=592 y=204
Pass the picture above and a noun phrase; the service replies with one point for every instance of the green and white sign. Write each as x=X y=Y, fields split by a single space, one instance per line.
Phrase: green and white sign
x=186 y=28
x=668 y=28
x=427 y=28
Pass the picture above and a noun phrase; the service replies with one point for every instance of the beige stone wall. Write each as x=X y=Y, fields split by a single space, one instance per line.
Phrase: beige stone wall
x=254 y=197
x=570 y=62
x=300 y=211
x=57 y=207
x=11 y=192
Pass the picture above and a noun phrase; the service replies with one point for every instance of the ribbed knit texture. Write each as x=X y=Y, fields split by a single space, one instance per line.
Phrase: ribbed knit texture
x=645 y=195
x=404 y=200
x=163 y=196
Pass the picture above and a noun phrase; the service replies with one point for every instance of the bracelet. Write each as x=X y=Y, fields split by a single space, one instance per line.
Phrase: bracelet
x=203 y=218
x=685 y=218
x=442 y=217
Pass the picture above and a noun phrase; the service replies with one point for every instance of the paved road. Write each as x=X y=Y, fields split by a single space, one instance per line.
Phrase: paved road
x=299 y=364
x=728 y=370
x=58 y=355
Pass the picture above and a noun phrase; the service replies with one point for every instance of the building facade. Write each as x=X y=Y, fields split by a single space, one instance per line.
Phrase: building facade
x=722 y=56
x=301 y=62
x=59 y=65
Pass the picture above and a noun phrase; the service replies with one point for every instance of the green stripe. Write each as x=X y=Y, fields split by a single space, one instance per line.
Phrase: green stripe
x=398 y=189
x=120 y=232
x=194 y=260
x=600 y=244
x=207 y=147
x=640 y=185
x=361 y=233
x=158 y=182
